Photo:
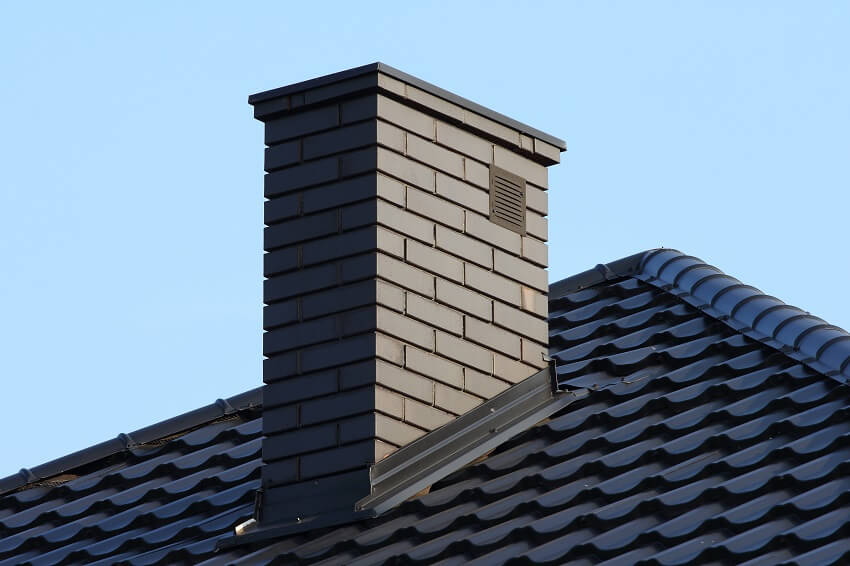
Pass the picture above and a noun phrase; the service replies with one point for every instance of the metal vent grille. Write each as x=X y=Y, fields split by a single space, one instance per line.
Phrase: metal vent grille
x=507 y=199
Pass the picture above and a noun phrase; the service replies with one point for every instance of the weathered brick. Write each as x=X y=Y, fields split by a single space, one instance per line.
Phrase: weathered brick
x=389 y=349
x=536 y=225
x=464 y=142
x=299 y=282
x=464 y=246
x=535 y=251
x=396 y=431
x=482 y=384
x=480 y=227
x=536 y=199
x=300 y=176
x=434 y=261
x=405 y=223
x=477 y=174
x=435 y=208
x=435 y=103
x=492 y=284
x=453 y=400
x=401 y=167
x=404 y=275
x=464 y=299
x=464 y=194
x=282 y=155
x=389 y=403
x=406 y=328
x=389 y=295
x=338 y=140
x=433 y=366
x=520 y=322
x=434 y=314
x=534 y=353
x=432 y=154
x=406 y=117
x=464 y=352
x=479 y=122
x=391 y=136
x=529 y=170
x=295 y=442
x=405 y=382
x=422 y=415
x=492 y=337
x=390 y=189
x=511 y=370
x=301 y=123
x=547 y=151
x=521 y=270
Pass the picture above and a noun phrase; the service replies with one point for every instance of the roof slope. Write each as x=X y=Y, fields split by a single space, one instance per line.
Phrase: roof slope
x=704 y=433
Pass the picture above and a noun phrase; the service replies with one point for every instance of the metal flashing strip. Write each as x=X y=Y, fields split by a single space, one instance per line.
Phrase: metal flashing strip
x=432 y=457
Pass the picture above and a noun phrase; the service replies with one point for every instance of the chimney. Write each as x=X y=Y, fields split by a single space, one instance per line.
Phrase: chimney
x=405 y=274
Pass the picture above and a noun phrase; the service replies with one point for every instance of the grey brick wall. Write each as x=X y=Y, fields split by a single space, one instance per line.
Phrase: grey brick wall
x=393 y=304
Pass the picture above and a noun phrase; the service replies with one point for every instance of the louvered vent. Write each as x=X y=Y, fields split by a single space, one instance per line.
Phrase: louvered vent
x=507 y=199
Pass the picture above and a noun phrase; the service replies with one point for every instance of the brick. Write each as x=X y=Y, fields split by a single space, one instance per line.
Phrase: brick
x=480 y=227
x=535 y=251
x=337 y=299
x=280 y=366
x=489 y=126
x=434 y=314
x=281 y=208
x=527 y=169
x=390 y=242
x=395 y=431
x=477 y=174
x=300 y=229
x=298 y=335
x=356 y=321
x=535 y=302
x=357 y=162
x=335 y=247
x=333 y=195
x=432 y=154
x=536 y=225
x=521 y=270
x=434 y=103
x=391 y=136
x=453 y=400
x=279 y=314
x=280 y=261
x=295 y=442
x=338 y=140
x=492 y=284
x=295 y=283
x=357 y=268
x=434 y=208
x=280 y=472
x=405 y=328
x=526 y=143
x=433 y=366
x=464 y=246
x=390 y=189
x=533 y=353
x=405 y=223
x=548 y=151
x=464 y=352
x=301 y=123
x=389 y=403
x=404 y=275
x=482 y=384
x=282 y=155
x=358 y=109
x=520 y=322
x=536 y=199
x=422 y=415
x=389 y=296
x=300 y=176
x=434 y=261
x=357 y=215
x=464 y=194
x=356 y=428
x=403 y=168
x=339 y=89
x=333 y=354
x=492 y=337
x=464 y=142
x=337 y=459
x=273 y=106
x=336 y=406
x=464 y=299
x=299 y=388
x=406 y=117
x=511 y=370
x=404 y=382
x=391 y=84
x=278 y=419
x=360 y=374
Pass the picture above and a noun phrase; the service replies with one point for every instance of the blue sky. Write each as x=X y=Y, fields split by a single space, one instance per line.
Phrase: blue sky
x=131 y=169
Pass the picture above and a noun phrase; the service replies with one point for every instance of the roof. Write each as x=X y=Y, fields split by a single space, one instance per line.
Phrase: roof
x=709 y=425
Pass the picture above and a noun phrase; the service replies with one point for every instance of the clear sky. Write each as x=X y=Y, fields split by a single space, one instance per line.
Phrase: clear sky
x=131 y=169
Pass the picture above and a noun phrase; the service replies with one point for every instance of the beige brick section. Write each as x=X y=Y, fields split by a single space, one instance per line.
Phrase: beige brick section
x=463 y=194
x=389 y=295
x=536 y=199
x=495 y=338
x=390 y=189
x=493 y=234
x=526 y=143
x=521 y=270
x=427 y=99
x=390 y=242
x=434 y=314
x=395 y=431
x=464 y=352
x=492 y=284
x=388 y=402
x=435 y=208
x=482 y=384
x=536 y=225
x=464 y=299
x=464 y=142
x=405 y=275
x=405 y=382
x=391 y=84
x=422 y=415
x=406 y=223
x=489 y=126
x=391 y=136
x=453 y=400
x=477 y=174
x=465 y=247
x=520 y=322
x=405 y=328
x=434 y=260
x=533 y=353
x=529 y=170
x=535 y=251
x=512 y=370
x=547 y=151
x=405 y=169
x=383 y=449
x=389 y=349
x=535 y=302
x=434 y=155
x=406 y=117
x=435 y=367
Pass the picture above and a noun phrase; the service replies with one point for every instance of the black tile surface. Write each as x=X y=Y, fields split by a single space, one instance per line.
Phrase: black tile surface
x=698 y=441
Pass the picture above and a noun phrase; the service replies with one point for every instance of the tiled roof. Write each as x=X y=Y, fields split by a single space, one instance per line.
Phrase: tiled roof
x=710 y=427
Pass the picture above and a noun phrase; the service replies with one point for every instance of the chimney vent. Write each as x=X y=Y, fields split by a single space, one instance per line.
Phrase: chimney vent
x=507 y=199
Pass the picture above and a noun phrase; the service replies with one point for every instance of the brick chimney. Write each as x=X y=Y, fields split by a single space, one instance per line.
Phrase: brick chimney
x=405 y=274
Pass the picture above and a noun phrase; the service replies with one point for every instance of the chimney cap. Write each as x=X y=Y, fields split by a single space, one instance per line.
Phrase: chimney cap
x=378 y=67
